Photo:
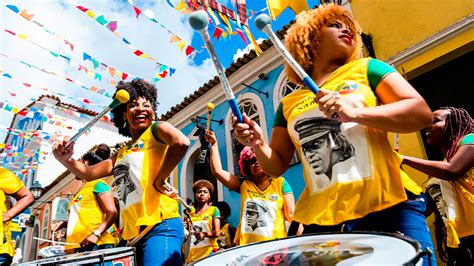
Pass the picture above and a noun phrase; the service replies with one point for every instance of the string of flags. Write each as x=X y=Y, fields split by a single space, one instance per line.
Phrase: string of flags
x=86 y=56
x=94 y=89
x=163 y=70
x=29 y=86
x=182 y=45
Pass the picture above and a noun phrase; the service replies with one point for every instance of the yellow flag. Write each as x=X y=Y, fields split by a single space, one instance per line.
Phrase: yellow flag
x=277 y=6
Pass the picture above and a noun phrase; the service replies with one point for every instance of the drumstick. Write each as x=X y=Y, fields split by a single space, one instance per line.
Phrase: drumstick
x=121 y=97
x=199 y=21
x=185 y=205
x=263 y=23
x=210 y=107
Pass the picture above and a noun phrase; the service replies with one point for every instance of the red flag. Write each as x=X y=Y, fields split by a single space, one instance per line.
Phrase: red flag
x=137 y=11
x=189 y=50
x=217 y=33
x=70 y=44
x=124 y=76
x=138 y=52
x=83 y=9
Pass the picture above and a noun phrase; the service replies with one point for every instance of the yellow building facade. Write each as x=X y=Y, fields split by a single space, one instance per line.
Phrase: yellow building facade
x=431 y=42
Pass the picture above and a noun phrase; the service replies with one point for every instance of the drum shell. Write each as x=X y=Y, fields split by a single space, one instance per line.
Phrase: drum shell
x=374 y=248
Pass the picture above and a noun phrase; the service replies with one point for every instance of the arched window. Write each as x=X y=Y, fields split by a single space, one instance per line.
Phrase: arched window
x=282 y=88
x=251 y=105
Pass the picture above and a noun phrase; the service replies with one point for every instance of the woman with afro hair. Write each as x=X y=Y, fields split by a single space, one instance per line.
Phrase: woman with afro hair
x=145 y=162
x=266 y=202
x=369 y=192
x=452 y=185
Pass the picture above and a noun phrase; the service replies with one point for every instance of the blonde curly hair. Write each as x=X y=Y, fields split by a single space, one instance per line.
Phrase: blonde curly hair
x=302 y=38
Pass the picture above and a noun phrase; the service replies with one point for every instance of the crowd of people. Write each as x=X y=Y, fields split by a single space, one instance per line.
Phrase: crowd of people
x=354 y=179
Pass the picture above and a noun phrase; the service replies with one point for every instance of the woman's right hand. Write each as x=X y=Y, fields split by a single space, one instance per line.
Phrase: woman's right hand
x=247 y=133
x=61 y=152
x=210 y=137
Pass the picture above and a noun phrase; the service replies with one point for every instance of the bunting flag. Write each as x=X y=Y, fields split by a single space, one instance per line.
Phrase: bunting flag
x=112 y=26
x=74 y=65
x=24 y=13
x=184 y=46
x=60 y=95
x=276 y=7
x=102 y=92
x=226 y=15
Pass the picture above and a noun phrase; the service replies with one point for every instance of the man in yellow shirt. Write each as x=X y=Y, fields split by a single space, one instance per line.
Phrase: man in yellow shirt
x=10 y=185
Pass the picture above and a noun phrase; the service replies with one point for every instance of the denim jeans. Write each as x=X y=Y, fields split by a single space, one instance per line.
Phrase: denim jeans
x=162 y=245
x=5 y=259
x=406 y=217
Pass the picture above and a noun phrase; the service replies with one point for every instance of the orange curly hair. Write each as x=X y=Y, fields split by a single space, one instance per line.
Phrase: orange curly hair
x=302 y=38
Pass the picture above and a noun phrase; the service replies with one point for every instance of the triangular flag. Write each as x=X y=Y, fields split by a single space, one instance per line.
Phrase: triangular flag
x=217 y=33
x=189 y=50
x=174 y=39
x=181 y=45
x=137 y=11
x=112 y=26
x=26 y=15
x=181 y=6
x=276 y=7
x=13 y=8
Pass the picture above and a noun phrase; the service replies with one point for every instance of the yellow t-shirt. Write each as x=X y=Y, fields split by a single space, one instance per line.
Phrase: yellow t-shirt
x=85 y=215
x=350 y=169
x=135 y=170
x=459 y=198
x=9 y=184
x=203 y=223
x=261 y=212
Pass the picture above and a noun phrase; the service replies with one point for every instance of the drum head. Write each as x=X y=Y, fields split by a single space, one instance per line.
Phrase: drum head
x=51 y=251
x=323 y=249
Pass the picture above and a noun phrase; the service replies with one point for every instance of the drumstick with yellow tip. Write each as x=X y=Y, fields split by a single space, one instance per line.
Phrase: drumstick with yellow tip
x=210 y=107
x=121 y=97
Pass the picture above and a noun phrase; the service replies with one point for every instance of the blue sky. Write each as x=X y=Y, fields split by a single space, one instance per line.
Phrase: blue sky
x=62 y=18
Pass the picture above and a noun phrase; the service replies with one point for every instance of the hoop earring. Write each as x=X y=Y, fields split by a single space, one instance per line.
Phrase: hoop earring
x=124 y=124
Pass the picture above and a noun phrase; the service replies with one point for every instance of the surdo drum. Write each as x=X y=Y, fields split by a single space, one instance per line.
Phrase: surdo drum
x=354 y=248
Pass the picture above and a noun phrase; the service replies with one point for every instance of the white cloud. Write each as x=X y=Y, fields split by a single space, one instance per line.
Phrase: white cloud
x=241 y=52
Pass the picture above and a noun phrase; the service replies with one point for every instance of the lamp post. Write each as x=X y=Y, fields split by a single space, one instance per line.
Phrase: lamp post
x=36 y=189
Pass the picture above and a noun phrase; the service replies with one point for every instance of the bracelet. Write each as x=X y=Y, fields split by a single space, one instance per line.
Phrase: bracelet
x=96 y=233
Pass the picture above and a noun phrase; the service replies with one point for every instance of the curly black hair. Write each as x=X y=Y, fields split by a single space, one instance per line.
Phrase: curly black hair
x=136 y=88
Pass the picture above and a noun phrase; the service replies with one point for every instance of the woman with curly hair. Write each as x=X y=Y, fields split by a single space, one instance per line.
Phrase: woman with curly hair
x=266 y=202
x=154 y=151
x=368 y=192
x=205 y=221
x=452 y=185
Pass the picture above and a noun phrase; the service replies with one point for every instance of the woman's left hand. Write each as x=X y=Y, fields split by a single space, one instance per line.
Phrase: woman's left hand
x=90 y=240
x=331 y=102
x=171 y=191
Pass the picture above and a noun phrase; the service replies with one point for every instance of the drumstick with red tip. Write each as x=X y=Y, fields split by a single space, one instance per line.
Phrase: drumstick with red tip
x=121 y=97
x=199 y=21
x=210 y=107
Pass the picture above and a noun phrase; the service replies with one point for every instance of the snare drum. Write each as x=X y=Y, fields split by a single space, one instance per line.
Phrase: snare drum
x=111 y=256
x=352 y=248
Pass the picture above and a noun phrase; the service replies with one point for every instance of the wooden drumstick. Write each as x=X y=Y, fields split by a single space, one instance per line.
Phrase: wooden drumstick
x=210 y=107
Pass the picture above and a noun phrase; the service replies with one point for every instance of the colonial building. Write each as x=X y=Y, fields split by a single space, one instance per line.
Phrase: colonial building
x=28 y=154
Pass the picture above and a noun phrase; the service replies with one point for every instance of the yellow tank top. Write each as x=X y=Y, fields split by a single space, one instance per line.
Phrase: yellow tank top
x=202 y=223
x=350 y=169
x=9 y=184
x=459 y=198
x=85 y=215
x=135 y=169
x=262 y=213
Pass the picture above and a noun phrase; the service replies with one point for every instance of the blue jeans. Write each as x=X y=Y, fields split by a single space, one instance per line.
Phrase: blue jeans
x=406 y=217
x=162 y=245
x=5 y=259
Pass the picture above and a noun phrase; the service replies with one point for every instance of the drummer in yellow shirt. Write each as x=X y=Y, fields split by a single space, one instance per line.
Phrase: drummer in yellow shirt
x=265 y=201
x=92 y=212
x=205 y=222
x=10 y=185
